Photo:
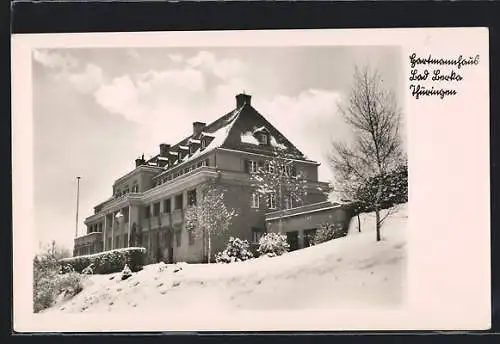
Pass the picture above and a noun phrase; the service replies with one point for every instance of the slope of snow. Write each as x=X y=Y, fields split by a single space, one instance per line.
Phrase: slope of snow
x=350 y=272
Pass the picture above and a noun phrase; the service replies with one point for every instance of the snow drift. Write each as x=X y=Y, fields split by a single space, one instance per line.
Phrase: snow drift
x=354 y=271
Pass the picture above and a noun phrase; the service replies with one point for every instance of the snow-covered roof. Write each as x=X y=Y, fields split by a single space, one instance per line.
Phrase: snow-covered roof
x=260 y=129
x=248 y=137
x=191 y=140
x=219 y=136
x=206 y=134
x=184 y=147
x=162 y=158
x=173 y=153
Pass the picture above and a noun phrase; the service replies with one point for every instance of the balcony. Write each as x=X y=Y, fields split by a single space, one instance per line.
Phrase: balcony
x=88 y=239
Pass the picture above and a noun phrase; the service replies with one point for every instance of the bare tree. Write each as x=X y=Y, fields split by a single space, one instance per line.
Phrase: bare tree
x=210 y=216
x=375 y=148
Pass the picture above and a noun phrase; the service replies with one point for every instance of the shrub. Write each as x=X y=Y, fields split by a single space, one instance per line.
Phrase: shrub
x=328 y=232
x=109 y=261
x=273 y=244
x=49 y=282
x=237 y=250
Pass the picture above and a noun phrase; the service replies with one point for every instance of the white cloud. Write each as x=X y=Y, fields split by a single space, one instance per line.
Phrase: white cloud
x=223 y=68
x=175 y=58
x=54 y=60
x=89 y=80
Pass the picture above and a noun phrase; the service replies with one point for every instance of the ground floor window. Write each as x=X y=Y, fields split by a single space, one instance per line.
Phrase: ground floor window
x=309 y=237
x=257 y=233
x=293 y=240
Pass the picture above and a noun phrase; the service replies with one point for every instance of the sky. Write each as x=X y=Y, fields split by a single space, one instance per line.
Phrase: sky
x=97 y=109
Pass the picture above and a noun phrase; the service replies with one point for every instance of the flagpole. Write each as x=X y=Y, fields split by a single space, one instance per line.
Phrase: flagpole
x=77 y=203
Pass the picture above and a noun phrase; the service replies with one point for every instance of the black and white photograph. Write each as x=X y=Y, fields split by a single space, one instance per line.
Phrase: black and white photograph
x=212 y=178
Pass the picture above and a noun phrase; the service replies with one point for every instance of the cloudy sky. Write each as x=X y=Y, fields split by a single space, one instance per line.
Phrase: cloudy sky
x=96 y=110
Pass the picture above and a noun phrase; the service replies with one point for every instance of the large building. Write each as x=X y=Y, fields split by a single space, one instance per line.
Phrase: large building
x=148 y=204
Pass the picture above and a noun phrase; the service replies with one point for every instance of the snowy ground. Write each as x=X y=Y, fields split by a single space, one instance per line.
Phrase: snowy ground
x=355 y=271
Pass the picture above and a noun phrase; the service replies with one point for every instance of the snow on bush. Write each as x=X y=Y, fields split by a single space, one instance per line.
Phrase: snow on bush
x=237 y=250
x=49 y=282
x=273 y=244
x=327 y=232
x=126 y=272
x=109 y=261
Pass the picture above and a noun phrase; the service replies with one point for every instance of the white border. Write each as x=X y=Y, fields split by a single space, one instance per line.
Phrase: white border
x=448 y=147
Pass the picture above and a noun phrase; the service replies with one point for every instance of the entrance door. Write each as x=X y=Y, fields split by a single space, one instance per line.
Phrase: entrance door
x=293 y=240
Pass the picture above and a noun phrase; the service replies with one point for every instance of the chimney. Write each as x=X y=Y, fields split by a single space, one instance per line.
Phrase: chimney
x=139 y=162
x=164 y=149
x=198 y=127
x=243 y=98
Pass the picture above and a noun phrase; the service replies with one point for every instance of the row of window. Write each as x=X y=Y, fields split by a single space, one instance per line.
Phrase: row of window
x=182 y=171
x=126 y=190
x=271 y=201
x=121 y=240
x=288 y=169
x=155 y=210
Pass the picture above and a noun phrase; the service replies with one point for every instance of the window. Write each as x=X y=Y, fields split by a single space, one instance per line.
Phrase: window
x=257 y=233
x=117 y=242
x=203 y=143
x=252 y=166
x=178 y=202
x=191 y=237
x=156 y=209
x=100 y=227
x=108 y=244
x=146 y=212
x=178 y=237
x=167 y=206
x=135 y=187
x=255 y=200
x=125 y=240
x=191 y=195
x=288 y=202
x=309 y=237
x=263 y=138
x=272 y=201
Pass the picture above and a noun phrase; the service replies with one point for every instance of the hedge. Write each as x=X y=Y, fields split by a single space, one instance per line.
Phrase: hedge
x=108 y=261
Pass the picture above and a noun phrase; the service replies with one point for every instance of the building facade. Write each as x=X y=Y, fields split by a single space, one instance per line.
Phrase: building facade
x=148 y=204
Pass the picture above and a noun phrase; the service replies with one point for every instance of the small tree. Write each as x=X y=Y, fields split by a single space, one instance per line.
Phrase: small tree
x=210 y=216
x=375 y=148
x=277 y=179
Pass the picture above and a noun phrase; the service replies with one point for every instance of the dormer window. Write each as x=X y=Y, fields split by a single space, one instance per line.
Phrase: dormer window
x=263 y=138
x=262 y=135
x=203 y=143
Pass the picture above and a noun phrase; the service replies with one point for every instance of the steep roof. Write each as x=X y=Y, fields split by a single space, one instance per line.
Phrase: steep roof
x=236 y=130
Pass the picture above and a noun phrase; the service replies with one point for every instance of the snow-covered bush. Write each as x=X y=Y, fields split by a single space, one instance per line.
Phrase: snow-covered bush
x=109 y=261
x=328 y=232
x=237 y=250
x=273 y=244
x=126 y=272
x=49 y=282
